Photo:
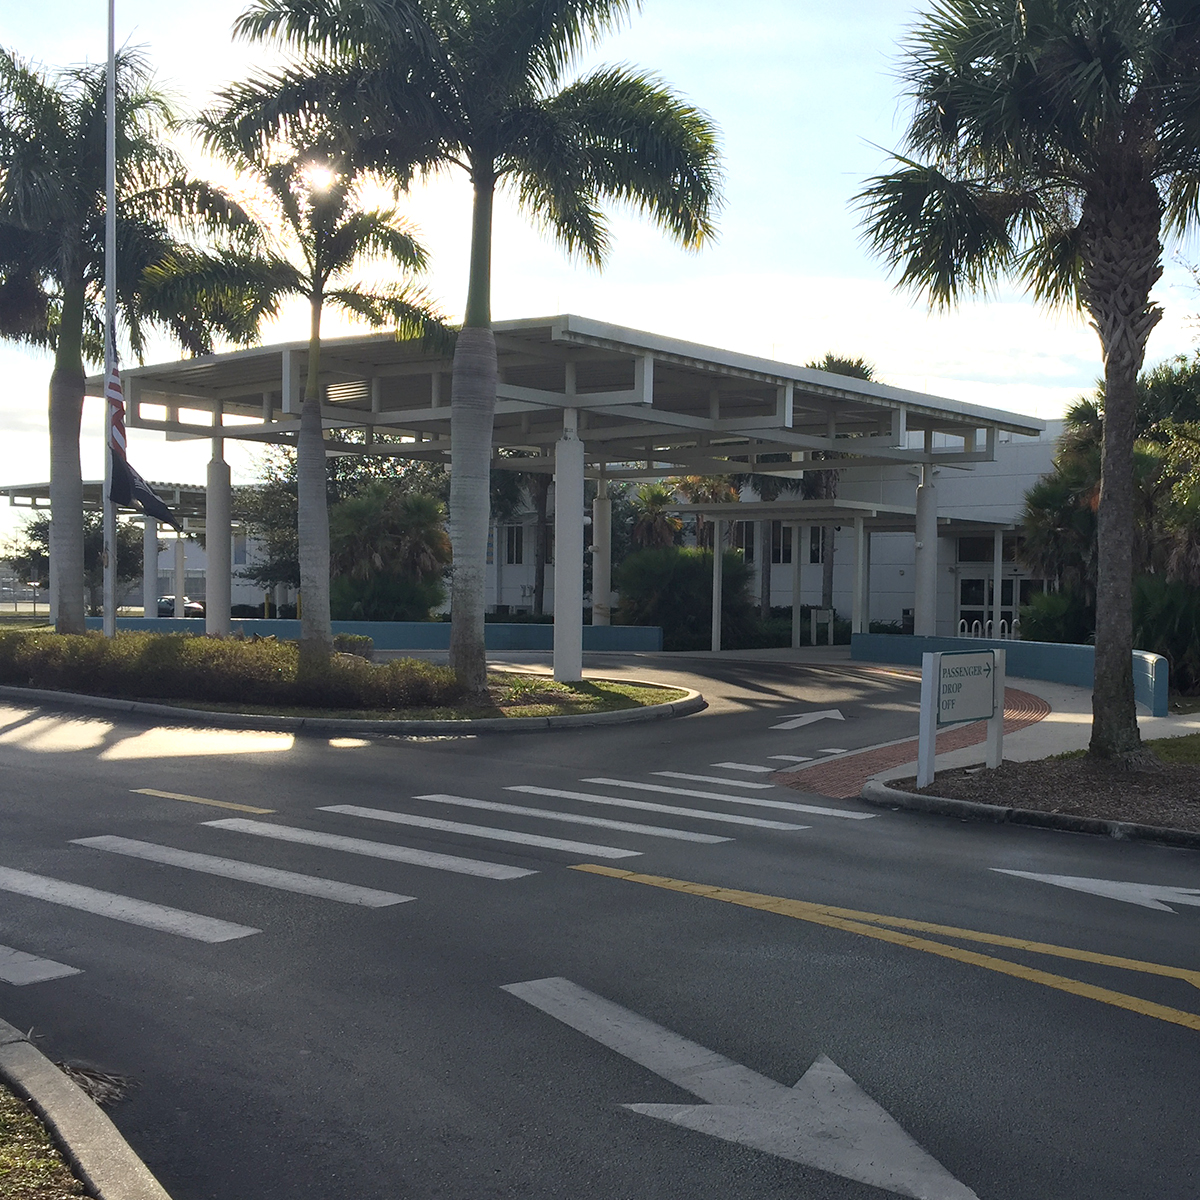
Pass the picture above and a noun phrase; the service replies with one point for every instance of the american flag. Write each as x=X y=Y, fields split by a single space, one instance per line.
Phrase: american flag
x=128 y=489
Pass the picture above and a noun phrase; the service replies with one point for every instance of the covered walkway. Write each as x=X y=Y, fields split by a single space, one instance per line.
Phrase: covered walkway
x=579 y=399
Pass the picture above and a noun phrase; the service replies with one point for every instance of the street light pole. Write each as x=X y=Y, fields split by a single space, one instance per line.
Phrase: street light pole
x=110 y=325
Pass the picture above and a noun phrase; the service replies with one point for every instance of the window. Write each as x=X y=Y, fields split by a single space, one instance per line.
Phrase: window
x=981 y=550
x=239 y=550
x=781 y=542
x=514 y=544
x=743 y=539
x=816 y=544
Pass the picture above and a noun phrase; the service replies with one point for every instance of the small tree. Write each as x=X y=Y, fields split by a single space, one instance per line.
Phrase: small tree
x=29 y=555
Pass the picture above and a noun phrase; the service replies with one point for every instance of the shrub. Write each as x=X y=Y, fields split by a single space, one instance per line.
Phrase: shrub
x=1166 y=621
x=385 y=598
x=672 y=587
x=1057 y=617
x=181 y=667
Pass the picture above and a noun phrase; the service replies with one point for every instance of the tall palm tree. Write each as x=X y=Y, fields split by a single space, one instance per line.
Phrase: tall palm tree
x=823 y=484
x=52 y=188
x=1056 y=141
x=485 y=86
x=654 y=525
x=317 y=236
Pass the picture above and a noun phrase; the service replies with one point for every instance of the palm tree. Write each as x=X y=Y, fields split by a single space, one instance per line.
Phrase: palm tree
x=484 y=86
x=1056 y=143
x=318 y=235
x=823 y=485
x=52 y=188
x=654 y=526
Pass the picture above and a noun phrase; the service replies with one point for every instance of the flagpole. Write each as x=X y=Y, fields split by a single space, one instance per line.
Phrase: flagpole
x=110 y=323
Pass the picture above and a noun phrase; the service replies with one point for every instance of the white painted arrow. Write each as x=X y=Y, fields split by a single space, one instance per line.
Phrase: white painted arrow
x=1148 y=895
x=826 y=1121
x=801 y=719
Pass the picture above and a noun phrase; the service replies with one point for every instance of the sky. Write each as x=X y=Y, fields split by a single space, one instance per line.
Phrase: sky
x=808 y=100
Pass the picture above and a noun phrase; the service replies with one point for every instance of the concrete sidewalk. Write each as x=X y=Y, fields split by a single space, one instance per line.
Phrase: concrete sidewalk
x=1067 y=727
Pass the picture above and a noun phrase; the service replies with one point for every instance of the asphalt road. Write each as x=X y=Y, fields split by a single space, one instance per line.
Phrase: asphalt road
x=330 y=1049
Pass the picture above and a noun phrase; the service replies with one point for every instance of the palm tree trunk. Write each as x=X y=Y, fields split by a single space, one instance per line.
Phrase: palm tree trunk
x=1122 y=262
x=472 y=410
x=316 y=634
x=66 y=480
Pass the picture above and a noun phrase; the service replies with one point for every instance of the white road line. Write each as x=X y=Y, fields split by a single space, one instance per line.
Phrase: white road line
x=481 y=831
x=834 y=750
x=742 y=783
x=755 y=801
x=19 y=968
x=751 y=767
x=679 y=835
x=695 y=814
x=231 y=868
x=122 y=908
x=789 y=758
x=403 y=854
x=826 y=1121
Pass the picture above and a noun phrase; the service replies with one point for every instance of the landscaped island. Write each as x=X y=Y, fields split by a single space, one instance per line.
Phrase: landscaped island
x=261 y=677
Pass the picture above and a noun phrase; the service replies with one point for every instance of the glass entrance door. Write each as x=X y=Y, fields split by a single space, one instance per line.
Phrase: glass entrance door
x=975 y=605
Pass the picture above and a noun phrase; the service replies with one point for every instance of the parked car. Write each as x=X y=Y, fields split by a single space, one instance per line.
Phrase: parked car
x=191 y=608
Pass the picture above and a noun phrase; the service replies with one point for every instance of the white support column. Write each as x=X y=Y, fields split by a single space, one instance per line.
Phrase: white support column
x=798 y=540
x=180 y=574
x=860 y=569
x=925 y=566
x=149 y=567
x=997 y=578
x=568 y=552
x=602 y=556
x=218 y=555
x=717 y=581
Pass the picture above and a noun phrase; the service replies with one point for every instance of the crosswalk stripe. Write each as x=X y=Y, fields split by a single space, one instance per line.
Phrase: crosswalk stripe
x=231 y=868
x=695 y=814
x=122 y=908
x=742 y=783
x=403 y=854
x=679 y=835
x=19 y=968
x=751 y=767
x=793 y=758
x=757 y=802
x=480 y=831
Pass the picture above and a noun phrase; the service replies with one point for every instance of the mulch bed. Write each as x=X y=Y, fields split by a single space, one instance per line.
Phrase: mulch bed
x=1165 y=795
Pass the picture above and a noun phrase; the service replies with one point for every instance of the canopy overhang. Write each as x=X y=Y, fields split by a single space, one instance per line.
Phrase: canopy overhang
x=647 y=406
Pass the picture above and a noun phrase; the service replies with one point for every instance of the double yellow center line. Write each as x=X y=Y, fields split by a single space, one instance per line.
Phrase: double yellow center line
x=893 y=929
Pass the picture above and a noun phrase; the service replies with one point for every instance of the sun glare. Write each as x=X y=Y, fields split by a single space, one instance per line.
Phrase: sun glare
x=319 y=177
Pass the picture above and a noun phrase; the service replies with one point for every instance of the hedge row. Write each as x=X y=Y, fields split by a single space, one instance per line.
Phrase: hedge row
x=178 y=666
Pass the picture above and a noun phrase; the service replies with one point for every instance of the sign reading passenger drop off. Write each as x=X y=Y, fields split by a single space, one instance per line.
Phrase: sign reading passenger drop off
x=965 y=691
x=958 y=686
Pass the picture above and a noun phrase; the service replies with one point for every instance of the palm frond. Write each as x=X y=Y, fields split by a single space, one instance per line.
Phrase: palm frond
x=944 y=235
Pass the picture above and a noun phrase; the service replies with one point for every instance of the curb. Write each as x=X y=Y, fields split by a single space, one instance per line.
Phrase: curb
x=90 y=1142
x=692 y=702
x=879 y=794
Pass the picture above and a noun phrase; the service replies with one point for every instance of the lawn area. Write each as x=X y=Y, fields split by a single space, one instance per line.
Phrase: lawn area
x=31 y=1168
x=513 y=695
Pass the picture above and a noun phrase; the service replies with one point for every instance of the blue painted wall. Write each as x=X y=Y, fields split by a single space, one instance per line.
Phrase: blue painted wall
x=1058 y=662
x=416 y=635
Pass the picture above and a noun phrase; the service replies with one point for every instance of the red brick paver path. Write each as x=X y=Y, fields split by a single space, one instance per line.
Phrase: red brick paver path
x=844 y=776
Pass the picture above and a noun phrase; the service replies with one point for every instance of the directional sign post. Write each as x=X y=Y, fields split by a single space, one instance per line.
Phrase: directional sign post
x=956 y=687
